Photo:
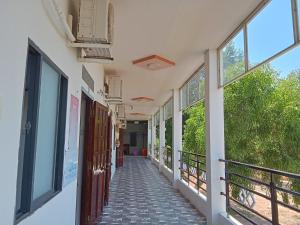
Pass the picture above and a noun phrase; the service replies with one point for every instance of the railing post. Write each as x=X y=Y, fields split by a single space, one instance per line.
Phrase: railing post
x=227 y=180
x=188 y=168
x=274 y=205
x=197 y=173
x=181 y=164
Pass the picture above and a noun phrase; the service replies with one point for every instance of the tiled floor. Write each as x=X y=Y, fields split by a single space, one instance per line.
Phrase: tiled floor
x=140 y=195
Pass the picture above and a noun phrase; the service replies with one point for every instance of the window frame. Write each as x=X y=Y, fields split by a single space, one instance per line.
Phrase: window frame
x=28 y=205
x=168 y=103
x=243 y=26
x=181 y=108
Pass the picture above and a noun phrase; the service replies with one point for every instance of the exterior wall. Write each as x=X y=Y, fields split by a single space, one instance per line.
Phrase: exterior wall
x=20 y=20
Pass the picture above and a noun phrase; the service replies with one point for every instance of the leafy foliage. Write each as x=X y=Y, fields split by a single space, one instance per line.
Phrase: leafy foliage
x=262 y=123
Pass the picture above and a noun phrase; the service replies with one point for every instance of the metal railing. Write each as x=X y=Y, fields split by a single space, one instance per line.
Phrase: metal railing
x=168 y=155
x=262 y=182
x=193 y=170
x=156 y=153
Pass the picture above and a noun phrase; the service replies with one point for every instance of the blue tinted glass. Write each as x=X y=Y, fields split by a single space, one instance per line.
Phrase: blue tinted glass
x=270 y=31
x=287 y=63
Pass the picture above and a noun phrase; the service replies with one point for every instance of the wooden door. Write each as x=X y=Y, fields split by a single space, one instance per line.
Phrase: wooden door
x=108 y=161
x=94 y=164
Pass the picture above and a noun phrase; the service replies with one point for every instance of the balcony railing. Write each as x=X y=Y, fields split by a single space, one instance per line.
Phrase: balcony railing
x=156 y=153
x=273 y=191
x=193 y=170
x=168 y=155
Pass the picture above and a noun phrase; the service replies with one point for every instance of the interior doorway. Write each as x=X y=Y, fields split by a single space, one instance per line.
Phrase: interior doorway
x=136 y=138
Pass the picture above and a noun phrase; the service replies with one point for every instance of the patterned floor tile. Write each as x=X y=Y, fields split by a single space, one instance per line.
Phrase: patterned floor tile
x=139 y=194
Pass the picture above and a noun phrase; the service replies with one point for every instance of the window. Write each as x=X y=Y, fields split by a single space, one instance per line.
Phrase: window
x=42 y=134
x=193 y=90
x=298 y=13
x=184 y=97
x=270 y=31
x=168 y=109
x=232 y=58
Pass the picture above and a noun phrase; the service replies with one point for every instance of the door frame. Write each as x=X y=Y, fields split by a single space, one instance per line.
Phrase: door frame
x=81 y=152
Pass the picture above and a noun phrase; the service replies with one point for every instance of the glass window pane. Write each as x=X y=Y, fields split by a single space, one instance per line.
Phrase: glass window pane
x=184 y=97
x=193 y=89
x=202 y=83
x=270 y=31
x=168 y=109
x=46 y=132
x=232 y=58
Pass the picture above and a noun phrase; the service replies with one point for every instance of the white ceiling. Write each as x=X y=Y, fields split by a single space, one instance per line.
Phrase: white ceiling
x=180 y=30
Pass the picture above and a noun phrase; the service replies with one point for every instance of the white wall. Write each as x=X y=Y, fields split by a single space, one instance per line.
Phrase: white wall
x=20 y=20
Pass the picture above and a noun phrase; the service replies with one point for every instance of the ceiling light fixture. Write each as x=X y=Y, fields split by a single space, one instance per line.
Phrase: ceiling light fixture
x=153 y=62
x=143 y=99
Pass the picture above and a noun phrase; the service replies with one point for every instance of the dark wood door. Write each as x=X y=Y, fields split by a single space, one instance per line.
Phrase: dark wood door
x=94 y=164
x=108 y=160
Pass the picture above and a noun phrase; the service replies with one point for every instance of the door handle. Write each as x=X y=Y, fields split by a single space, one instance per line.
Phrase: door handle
x=27 y=127
x=98 y=171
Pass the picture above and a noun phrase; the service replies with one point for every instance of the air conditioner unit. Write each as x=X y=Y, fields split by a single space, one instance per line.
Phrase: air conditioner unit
x=120 y=111
x=114 y=90
x=95 y=22
x=122 y=123
x=94 y=31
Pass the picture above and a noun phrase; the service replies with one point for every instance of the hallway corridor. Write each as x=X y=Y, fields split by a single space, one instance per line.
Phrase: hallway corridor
x=140 y=195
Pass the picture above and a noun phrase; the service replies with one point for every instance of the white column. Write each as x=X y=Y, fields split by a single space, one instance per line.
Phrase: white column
x=177 y=135
x=215 y=149
x=161 y=137
x=153 y=138
x=149 y=137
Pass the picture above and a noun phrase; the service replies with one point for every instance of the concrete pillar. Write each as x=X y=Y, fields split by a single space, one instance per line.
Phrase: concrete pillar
x=149 y=137
x=153 y=138
x=215 y=149
x=161 y=137
x=177 y=135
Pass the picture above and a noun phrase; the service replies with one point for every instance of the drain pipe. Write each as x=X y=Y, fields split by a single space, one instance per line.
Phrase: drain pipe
x=56 y=10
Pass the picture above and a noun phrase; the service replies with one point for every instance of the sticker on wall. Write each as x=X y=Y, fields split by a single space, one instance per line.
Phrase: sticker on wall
x=71 y=153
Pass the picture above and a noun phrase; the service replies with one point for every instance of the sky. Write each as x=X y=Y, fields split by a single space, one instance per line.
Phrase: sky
x=269 y=32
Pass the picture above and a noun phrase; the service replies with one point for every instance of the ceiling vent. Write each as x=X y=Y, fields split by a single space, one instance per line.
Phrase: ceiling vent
x=153 y=62
x=113 y=90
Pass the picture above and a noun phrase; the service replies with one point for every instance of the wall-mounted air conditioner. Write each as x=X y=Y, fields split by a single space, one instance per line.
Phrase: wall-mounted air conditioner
x=95 y=22
x=94 y=31
x=114 y=90
x=120 y=111
x=122 y=123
